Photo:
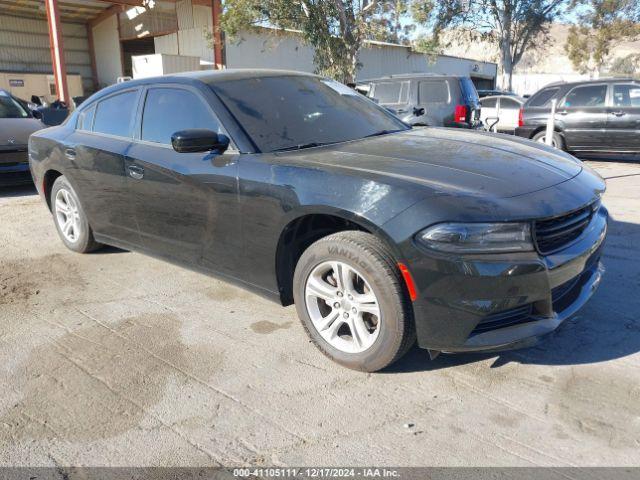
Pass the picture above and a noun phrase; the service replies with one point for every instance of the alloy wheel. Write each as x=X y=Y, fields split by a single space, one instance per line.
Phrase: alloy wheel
x=343 y=307
x=67 y=215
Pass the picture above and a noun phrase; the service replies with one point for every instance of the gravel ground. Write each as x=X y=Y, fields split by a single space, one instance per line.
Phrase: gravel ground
x=119 y=359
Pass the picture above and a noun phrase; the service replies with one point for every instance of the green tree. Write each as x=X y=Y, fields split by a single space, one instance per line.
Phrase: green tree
x=336 y=29
x=513 y=26
x=602 y=24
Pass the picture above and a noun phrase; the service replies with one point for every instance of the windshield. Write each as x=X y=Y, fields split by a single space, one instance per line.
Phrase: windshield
x=10 y=108
x=289 y=112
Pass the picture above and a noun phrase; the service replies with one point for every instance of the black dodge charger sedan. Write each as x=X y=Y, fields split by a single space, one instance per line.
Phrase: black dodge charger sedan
x=300 y=189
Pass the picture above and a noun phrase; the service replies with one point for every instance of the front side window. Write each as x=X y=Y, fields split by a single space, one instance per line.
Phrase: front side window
x=10 y=108
x=626 y=95
x=293 y=111
x=587 y=96
x=113 y=114
x=169 y=110
x=433 y=92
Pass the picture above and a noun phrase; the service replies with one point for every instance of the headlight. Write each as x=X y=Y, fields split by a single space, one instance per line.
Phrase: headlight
x=477 y=237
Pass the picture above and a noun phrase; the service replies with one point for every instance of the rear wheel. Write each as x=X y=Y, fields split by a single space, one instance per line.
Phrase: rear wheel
x=70 y=219
x=351 y=299
x=556 y=141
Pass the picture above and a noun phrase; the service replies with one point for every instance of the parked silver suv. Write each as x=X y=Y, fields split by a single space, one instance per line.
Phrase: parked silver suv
x=428 y=99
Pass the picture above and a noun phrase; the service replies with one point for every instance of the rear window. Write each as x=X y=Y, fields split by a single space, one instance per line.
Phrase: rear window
x=388 y=93
x=541 y=98
x=469 y=91
x=433 y=91
x=113 y=115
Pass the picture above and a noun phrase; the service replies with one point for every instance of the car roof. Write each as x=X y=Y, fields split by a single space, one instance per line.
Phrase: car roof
x=409 y=76
x=591 y=81
x=210 y=77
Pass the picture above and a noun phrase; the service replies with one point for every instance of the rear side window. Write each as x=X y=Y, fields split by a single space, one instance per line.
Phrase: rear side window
x=391 y=92
x=113 y=115
x=508 y=103
x=541 y=98
x=587 y=96
x=169 y=110
x=433 y=92
x=626 y=95
x=489 y=102
x=85 y=119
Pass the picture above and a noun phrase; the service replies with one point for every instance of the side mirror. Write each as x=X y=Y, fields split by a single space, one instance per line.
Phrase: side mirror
x=37 y=114
x=198 y=140
x=418 y=111
x=36 y=100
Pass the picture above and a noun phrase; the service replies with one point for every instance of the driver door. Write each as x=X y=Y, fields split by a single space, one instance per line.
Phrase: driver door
x=183 y=201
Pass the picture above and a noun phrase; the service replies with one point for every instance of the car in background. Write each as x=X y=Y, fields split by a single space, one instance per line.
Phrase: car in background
x=591 y=116
x=492 y=93
x=500 y=113
x=16 y=124
x=428 y=99
x=300 y=189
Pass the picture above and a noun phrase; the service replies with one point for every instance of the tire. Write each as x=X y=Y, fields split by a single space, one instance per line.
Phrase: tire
x=557 y=141
x=368 y=269
x=79 y=237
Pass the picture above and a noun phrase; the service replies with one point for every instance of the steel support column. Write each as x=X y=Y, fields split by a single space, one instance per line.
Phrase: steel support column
x=57 y=50
x=218 y=47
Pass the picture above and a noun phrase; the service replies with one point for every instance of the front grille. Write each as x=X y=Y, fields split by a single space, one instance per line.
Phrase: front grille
x=507 y=318
x=556 y=233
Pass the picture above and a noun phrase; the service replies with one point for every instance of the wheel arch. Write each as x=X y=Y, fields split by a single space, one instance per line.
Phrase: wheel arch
x=48 y=179
x=306 y=228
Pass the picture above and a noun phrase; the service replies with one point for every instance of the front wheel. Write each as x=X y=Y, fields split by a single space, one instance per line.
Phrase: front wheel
x=351 y=299
x=70 y=219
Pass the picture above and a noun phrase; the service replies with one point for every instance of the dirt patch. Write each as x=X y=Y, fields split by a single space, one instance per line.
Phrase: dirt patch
x=52 y=274
x=605 y=406
x=265 y=327
x=102 y=380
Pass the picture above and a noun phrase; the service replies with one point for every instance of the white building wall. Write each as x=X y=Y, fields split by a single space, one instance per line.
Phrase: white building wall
x=106 y=44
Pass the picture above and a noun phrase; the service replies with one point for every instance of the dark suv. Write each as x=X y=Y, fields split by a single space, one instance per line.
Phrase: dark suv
x=592 y=116
x=433 y=100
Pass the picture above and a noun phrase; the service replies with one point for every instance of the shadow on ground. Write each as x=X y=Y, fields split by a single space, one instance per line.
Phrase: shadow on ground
x=607 y=328
x=18 y=191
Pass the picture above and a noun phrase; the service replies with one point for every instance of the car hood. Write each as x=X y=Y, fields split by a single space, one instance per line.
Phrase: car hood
x=16 y=131
x=453 y=161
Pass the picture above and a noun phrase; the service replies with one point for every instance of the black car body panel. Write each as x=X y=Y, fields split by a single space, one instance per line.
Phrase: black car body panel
x=229 y=214
x=604 y=118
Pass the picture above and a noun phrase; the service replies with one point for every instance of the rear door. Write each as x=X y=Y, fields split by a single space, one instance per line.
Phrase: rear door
x=623 y=123
x=185 y=202
x=582 y=114
x=509 y=112
x=96 y=152
x=436 y=97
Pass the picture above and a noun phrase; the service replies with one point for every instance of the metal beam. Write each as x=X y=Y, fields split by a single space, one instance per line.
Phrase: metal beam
x=57 y=50
x=218 y=46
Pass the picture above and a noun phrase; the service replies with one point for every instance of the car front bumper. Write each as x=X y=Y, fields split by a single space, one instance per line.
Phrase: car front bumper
x=14 y=167
x=494 y=302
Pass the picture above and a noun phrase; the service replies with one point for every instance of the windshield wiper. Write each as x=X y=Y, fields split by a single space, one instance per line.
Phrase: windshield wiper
x=302 y=146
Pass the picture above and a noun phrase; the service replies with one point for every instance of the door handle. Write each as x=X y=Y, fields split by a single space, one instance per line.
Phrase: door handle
x=70 y=153
x=136 y=171
x=619 y=113
x=562 y=112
